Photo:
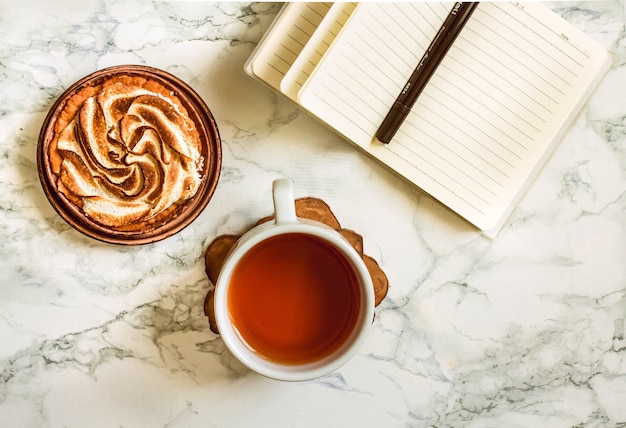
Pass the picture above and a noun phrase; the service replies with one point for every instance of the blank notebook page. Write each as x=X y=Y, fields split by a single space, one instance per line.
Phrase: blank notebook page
x=490 y=114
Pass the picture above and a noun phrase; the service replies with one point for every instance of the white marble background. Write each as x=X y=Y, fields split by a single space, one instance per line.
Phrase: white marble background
x=523 y=331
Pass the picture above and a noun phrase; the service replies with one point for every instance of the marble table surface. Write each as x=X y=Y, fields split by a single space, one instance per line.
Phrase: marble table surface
x=524 y=330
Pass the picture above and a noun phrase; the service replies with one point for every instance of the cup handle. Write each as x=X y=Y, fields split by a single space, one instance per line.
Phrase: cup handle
x=284 y=204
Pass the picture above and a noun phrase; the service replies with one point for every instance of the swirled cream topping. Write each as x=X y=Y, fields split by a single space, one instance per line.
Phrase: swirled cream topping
x=126 y=151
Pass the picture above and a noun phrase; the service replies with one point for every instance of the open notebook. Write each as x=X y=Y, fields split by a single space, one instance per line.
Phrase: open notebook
x=500 y=101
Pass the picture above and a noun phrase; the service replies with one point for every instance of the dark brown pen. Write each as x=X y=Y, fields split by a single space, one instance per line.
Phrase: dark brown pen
x=450 y=29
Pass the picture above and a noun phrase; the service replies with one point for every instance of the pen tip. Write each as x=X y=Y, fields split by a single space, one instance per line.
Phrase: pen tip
x=377 y=139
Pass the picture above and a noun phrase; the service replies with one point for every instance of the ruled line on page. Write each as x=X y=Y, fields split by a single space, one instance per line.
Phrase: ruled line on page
x=484 y=111
x=473 y=203
x=487 y=115
x=363 y=62
x=480 y=194
x=435 y=112
x=315 y=48
x=512 y=102
x=302 y=27
x=532 y=66
x=401 y=37
x=510 y=79
x=485 y=157
x=547 y=29
x=456 y=70
x=527 y=57
x=451 y=151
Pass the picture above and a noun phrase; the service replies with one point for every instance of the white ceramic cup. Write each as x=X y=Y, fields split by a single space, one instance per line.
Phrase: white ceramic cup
x=286 y=221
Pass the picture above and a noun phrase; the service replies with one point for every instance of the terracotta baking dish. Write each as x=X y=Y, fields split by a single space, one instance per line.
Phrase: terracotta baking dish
x=159 y=227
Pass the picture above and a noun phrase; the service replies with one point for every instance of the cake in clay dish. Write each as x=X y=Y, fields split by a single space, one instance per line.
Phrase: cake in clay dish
x=129 y=155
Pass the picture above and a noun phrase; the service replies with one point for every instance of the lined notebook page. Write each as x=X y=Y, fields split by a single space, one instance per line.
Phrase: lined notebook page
x=501 y=97
x=315 y=48
x=285 y=42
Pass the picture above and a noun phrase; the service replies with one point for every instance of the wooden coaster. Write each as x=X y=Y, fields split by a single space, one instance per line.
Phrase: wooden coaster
x=311 y=208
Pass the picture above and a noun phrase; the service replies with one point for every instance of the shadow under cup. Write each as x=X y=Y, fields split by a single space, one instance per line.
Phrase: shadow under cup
x=294 y=303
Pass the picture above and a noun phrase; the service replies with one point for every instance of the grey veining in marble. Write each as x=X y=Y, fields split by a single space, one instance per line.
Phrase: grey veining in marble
x=526 y=330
